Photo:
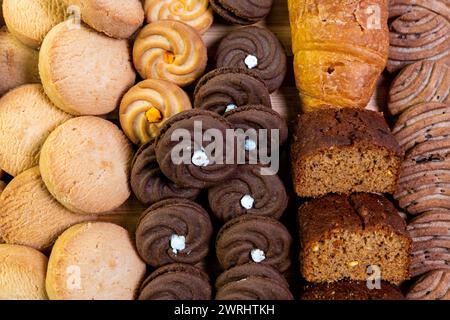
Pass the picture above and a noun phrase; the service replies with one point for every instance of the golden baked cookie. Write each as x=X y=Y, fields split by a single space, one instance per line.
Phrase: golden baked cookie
x=27 y=117
x=196 y=13
x=148 y=105
x=18 y=63
x=31 y=20
x=84 y=72
x=116 y=18
x=94 y=261
x=30 y=216
x=22 y=273
x=85 y=165
x=170 y=50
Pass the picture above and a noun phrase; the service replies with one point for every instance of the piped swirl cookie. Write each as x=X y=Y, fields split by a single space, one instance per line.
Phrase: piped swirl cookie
x=195 y=13
x=254 y=239
x=176 y=282
x=242 y=12
x=417 y=34
x=256 y=49
x=197 y=167
x=252 y=282
x=170 y=50
x=148 y=105
x=423 y=81
x=173 y=231
x=248 y=192
x=434 y=285
x=226 y=89
x=148 y=182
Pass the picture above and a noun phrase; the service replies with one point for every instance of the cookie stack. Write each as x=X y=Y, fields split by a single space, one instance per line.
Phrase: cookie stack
x=419 y=98
x=70 y=169
x=345 y=157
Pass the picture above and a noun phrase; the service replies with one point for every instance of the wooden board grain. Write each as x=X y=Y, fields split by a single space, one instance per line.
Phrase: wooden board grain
x=285 y=100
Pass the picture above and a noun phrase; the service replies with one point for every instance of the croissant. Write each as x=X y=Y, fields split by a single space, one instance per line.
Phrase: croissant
x=340 y=48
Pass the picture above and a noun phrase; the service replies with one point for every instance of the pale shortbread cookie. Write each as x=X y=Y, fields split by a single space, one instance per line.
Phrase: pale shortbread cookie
x=27 y=117
x=85 y=165
x=18 y=63
x=29 y=214
x=84 y=72
x=22 y=273
x=94 y=261
x=116 y=18
x=31 y=20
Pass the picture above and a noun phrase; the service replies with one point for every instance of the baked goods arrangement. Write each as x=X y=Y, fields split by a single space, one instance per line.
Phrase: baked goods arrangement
x=224 y=150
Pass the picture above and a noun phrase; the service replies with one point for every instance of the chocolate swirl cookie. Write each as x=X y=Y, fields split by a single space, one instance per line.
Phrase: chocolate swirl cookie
x=197 y=167
x=434 y=285
x=252 y=282
x=416 y=34
x=248 y=192
x=242 y=12
x=268 y=126
x=424 y=122
x=148 y=182
x=177 y=282
x=424 y=182
x=256 y=49
x=423 y=81
x=254 y=239
x=173 y=231
x=431 y=247
x=226 y=89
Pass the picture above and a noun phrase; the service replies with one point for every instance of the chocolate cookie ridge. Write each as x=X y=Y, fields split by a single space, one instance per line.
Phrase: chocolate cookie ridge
x=242 y=12
x=148 y=182
x=226 y=89
x=193 y=166
x=173 y=231
x=254 y=239
x=256 y=49
x=176 y=282
x=248 y=192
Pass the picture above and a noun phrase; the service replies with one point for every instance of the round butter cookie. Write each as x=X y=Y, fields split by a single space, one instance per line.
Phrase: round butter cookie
x=94 y=261
x=22 y=272
x=148 y=105
x=85 y=164
x=116 y=18
x=18 y=63
x=27 y=117
x=84 y=72
x=170 y=50
x=177 y=282
x=30 y=215
x=195 y=13
x=31 y=20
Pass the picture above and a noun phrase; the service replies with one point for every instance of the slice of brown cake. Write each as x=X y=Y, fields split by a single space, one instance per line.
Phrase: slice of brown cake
x=344 y=151
x=353 y=237
x=351 y=290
